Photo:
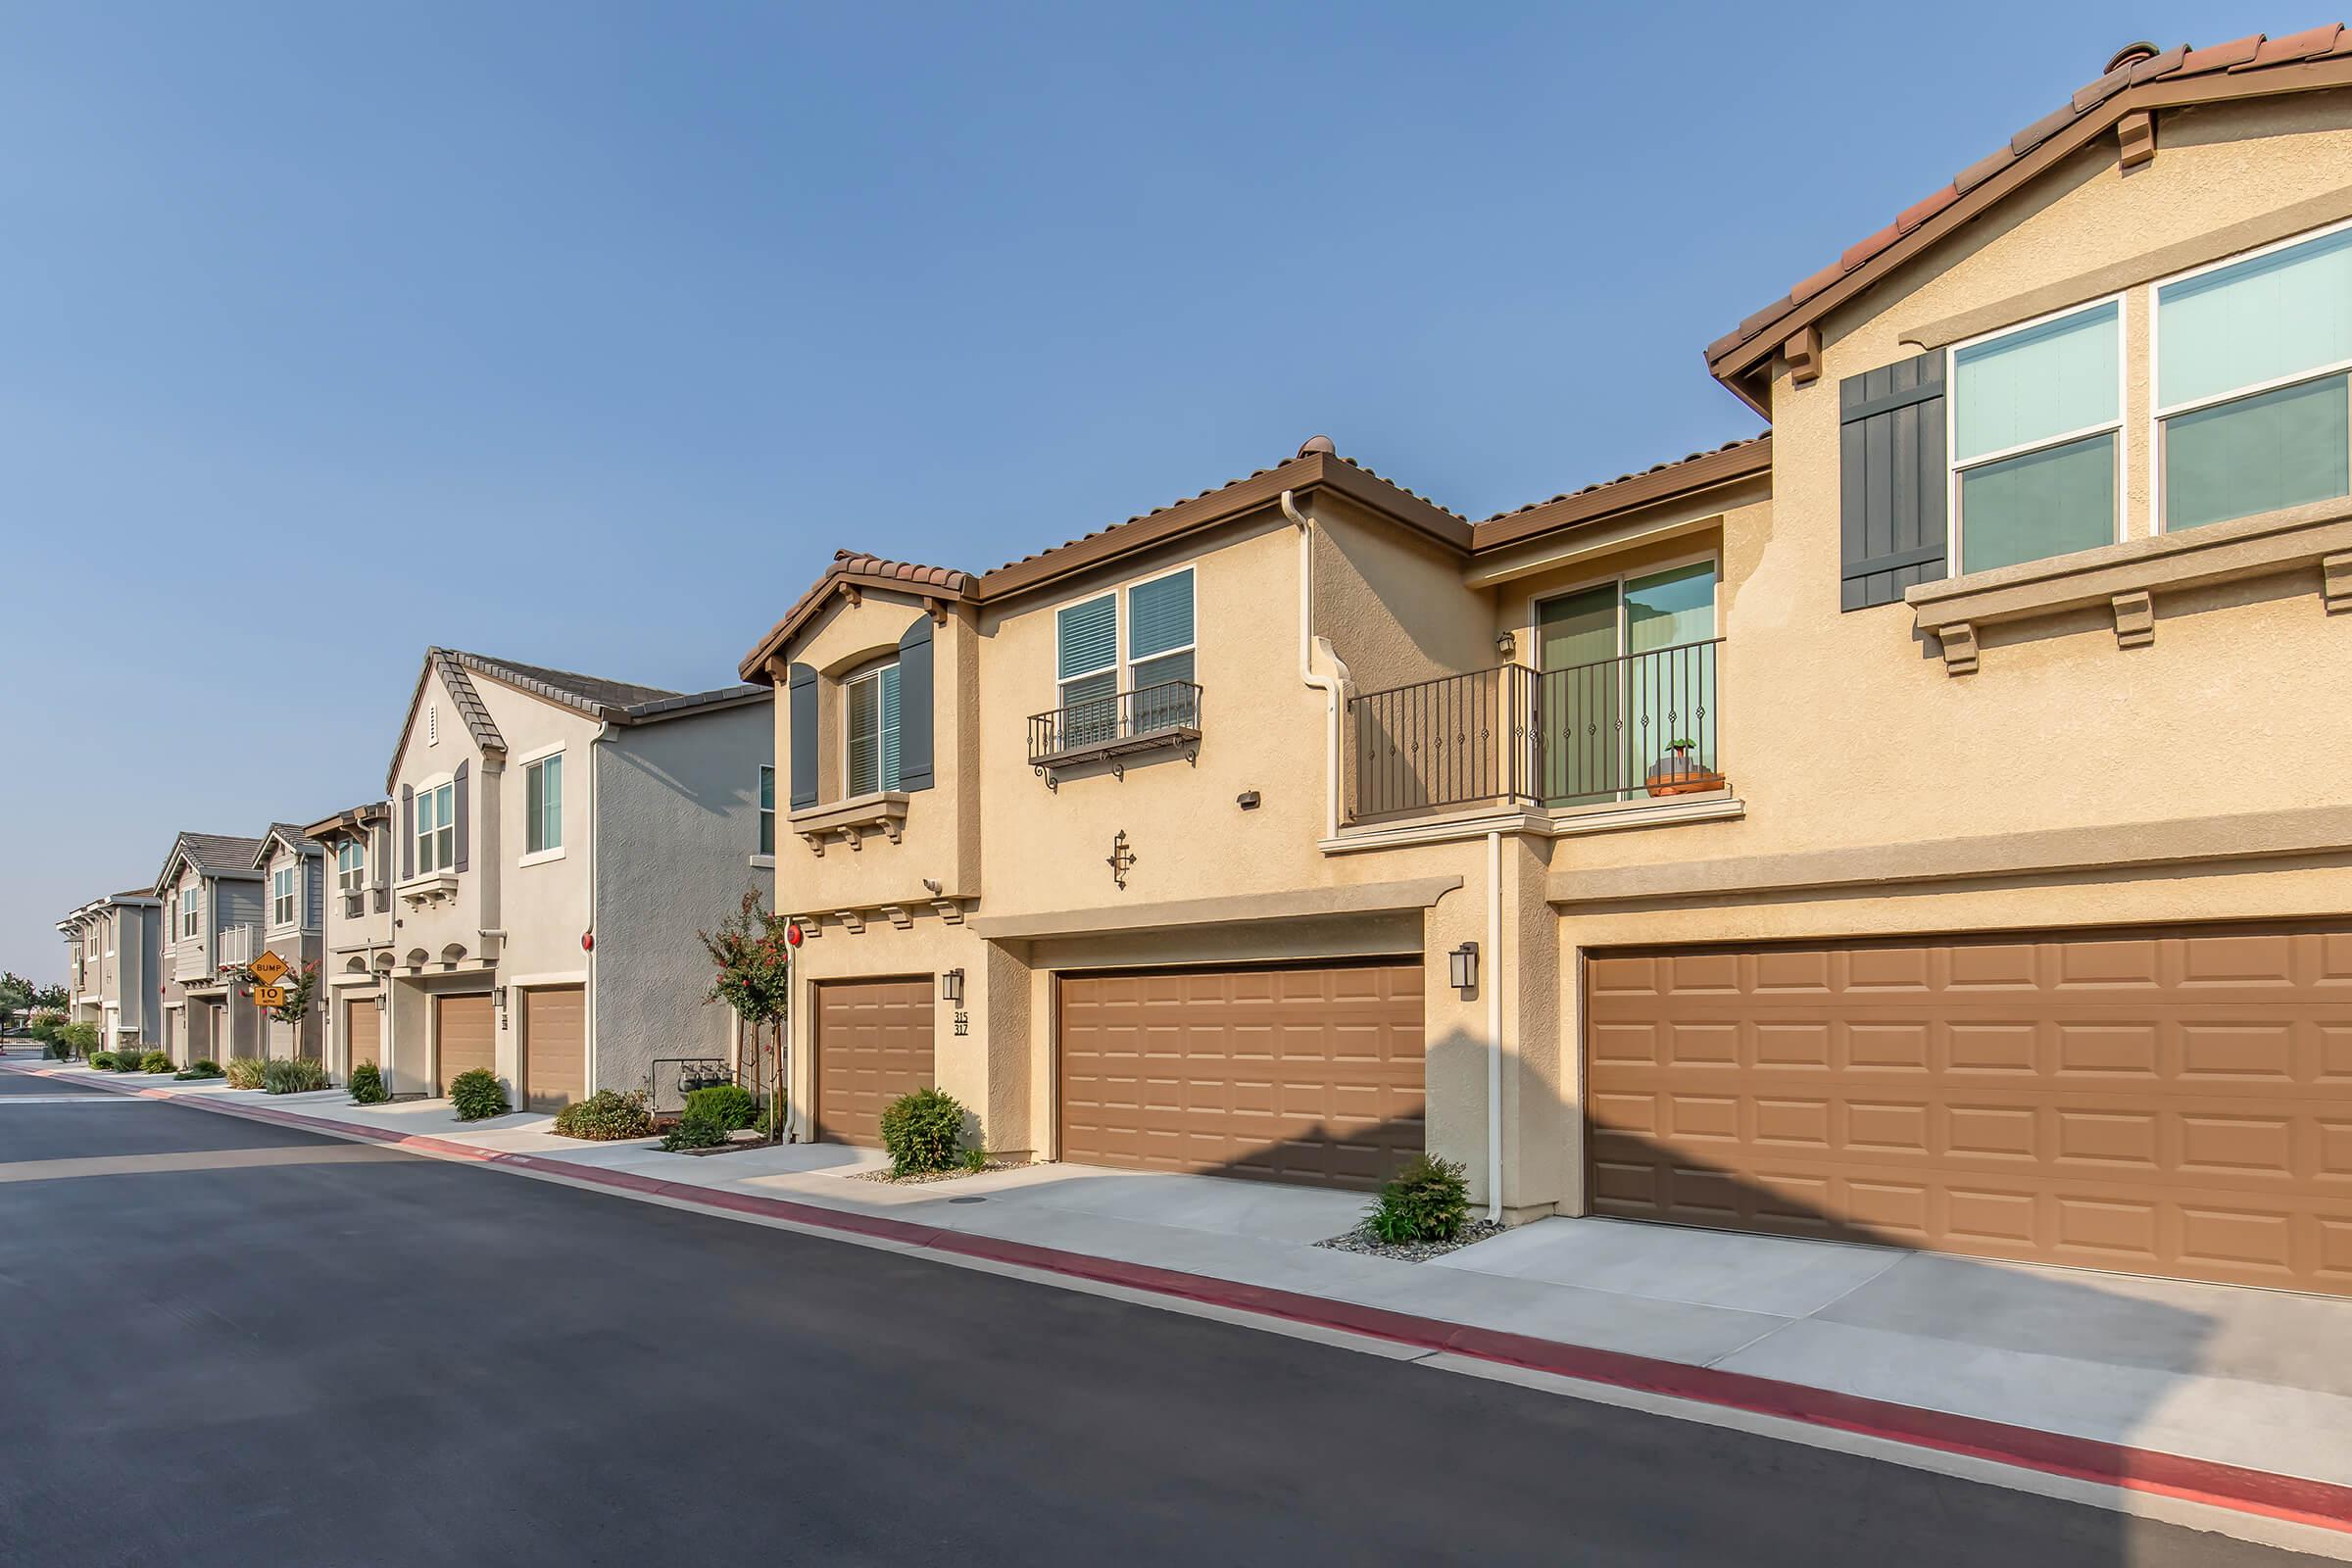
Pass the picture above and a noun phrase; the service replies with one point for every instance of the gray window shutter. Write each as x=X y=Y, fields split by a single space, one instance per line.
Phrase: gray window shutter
x=408 y=832
x=914 y=706
x=799 y=691
x=1890 y=480
x=460 y=798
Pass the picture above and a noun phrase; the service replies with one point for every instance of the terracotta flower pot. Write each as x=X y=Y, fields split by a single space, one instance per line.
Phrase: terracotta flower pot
x=1680 y=772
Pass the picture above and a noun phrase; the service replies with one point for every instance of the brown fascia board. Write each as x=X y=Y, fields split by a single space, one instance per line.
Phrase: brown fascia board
x=1708 y=472
x=346 y=822
x=1314 y=470
x=1743 y=366
x=754 y=665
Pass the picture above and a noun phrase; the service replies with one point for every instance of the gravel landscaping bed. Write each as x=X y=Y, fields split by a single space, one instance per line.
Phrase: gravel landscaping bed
x=958 y=1174
x=1360 y=1239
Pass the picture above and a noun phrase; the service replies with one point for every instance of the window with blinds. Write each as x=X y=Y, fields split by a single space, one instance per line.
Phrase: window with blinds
x=872 y=720
x=2036 y=438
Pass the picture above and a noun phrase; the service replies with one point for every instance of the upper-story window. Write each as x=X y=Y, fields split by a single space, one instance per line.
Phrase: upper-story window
x=187 y=912
x=1101 y=653
x=436 y=829
x=543 y=805
x=351 y=866
x=768 y=809
x=285 y=894
x=2036 y=438
x=2252 y=359
x=871 y=719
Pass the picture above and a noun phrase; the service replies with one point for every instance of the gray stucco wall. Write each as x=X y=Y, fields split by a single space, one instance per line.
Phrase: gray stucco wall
x=677 y=820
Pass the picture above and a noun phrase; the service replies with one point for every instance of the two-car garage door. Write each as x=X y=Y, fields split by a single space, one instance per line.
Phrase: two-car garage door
x=2172 y=1101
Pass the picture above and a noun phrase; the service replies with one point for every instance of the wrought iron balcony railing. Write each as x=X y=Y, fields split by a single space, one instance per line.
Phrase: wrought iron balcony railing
x=1112 y=727
x=1642 y=726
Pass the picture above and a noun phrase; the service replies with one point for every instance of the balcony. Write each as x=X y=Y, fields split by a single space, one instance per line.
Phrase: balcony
x=1112 y=729
x=240 y=944
x=190 y=961
x=1637 y=727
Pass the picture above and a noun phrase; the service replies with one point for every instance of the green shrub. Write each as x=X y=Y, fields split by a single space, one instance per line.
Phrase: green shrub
x=245 y=1072
x=975 y=1159
x=476 y=1094
x=81 y=1038
x=923 y=1132
x=104 y=1062
x=1428 y=1200
x=606 y=1116
x=128 y=1061
x=201 y=1068
x=155 y=1062
x=293 y=1075
x=725 y=1107
x=367 y=1085
x=693 y=1134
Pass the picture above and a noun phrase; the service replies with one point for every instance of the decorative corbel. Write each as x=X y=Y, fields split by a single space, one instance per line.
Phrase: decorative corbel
x=934 y=610
x=895 y=827
x=898 y=917
x=815 y=842
x=2136 y=139
x=778 y=670
x=949 y=910
x=850 y=592
x=2336 y=582
x=811 y=926
x=2135 y=618
x=850 y=920
x=851 y=837
x=1959 y=641
x=1803 y=354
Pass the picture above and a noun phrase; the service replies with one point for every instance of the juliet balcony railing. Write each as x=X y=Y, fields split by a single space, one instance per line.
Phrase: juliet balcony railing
x=239 y=943
x=1640 y=726
x=1114 y=727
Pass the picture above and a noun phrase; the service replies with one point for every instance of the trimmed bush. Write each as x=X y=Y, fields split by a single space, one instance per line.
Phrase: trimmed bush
x=294 y=1075
x=201 y=1068
x=128 y=1061
x=367 y=1085
x=476 y=1094
x=155 y=1062
x=1428 y=1200
x=923 y=1132
x=81 y=1038
x=104 y=1062
x=606 y=1116
x=691 y=1134
x=244 y=1072
x=725 y=1107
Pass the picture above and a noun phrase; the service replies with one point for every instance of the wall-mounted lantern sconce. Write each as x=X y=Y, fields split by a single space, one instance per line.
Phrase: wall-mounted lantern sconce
x=1506 y=644
x=951 y=988
x=1461 y=967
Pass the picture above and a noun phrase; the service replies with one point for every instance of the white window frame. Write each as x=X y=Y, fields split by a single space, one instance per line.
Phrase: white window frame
x=1954 y=467
x=764 y=845
x=1118 y=647
x=351 y=866
x=873 y=672
x=292 y=896
x=530 y=763
x=191 y=918
x=2159 y=410
x=1122 y=658
x=426 y=839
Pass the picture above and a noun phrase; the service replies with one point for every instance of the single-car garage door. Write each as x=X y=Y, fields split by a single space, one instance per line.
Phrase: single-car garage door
x=555 y=1046
x=1307 y=1073
x=464 y=1037
x=873 y=1044
x=363 y=1034
x=2173 y=1101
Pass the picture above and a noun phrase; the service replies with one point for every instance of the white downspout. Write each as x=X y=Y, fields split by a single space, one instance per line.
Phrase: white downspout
x=596 y=1076
x=1491 y=981
x=1329 y=687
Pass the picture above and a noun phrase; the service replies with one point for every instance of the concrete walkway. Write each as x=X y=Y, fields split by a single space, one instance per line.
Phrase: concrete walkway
x=2253 y=1378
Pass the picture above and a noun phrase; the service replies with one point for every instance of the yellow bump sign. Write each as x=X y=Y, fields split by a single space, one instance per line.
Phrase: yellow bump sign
x=270 y=968
x=268 y=996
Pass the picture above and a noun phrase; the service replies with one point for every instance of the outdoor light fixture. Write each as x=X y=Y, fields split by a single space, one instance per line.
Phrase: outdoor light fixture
x=1461 y=966
x=951 y=988
x=1504 y=643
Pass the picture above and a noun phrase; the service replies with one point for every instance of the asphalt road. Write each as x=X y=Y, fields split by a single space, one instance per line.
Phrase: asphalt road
x=223 y=1342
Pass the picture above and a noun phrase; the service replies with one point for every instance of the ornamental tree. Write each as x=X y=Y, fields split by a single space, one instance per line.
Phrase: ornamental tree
x=751 y=963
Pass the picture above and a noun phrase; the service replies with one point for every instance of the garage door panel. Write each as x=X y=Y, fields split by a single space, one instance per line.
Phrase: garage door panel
x=2171 y=1103
x=362 y=1033
x=874 y=1042
x=464 y=1037
x=1296 y=1073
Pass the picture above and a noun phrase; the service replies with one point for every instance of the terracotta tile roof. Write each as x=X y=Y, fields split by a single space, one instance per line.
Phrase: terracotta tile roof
x=2132 y=67
x=1599 y=485
x=853 y=568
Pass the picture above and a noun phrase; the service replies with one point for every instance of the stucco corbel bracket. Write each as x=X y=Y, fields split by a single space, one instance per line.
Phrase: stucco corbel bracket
x=949 y=910
x=2136 y=139
x=894 y=829
x=1959 y=640
x=811 y=926
x=1803 y=354
x=815 y=842
x=850 y=920
x=2336 y=582
x=851 y=837
x=2134 y=620
x=934 y=610
x=850 y=592
x=898 y=917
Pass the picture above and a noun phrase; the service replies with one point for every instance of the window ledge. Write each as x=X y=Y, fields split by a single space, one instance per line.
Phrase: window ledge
x=2126 y=576
x=848 y=821
x=542 y=857
x=762 y=862
x=433 y=886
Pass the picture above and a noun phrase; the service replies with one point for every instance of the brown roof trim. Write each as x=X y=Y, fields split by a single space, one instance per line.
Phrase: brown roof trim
x=348 y=823
x=2254 y=68
x=851 y=572
x=1668 y=481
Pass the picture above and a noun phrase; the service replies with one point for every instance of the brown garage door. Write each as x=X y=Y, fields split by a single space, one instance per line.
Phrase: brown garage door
x=1306 y=1074
x=2175 y=1102
x=873 y=1044
x=463 y=1028
x=554 y=1047
x=363 y=1034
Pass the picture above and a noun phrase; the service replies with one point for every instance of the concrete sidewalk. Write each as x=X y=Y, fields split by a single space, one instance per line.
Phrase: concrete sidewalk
x=2241 y=1378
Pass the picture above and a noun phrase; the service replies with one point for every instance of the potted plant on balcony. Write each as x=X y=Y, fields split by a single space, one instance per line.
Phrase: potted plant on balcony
x=1680 y=772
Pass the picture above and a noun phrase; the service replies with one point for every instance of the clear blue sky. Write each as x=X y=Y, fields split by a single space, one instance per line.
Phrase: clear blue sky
x=583 y=334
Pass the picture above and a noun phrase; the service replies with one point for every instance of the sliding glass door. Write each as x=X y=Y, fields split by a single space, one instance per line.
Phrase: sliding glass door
x=1627 y=684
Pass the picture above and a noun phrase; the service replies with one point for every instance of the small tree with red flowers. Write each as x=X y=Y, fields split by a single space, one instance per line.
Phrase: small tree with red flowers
x=752 y=973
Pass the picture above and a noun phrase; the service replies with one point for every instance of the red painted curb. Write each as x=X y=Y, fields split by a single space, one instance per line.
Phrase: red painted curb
x=2209 y=1482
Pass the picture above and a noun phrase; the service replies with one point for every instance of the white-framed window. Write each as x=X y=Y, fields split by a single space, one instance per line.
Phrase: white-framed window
x=2253 y=382
x=1147 y=653
x=187 y=912
x=768 y=809
x=543 y=805
x=2036 y=438
x=870 y=718
x=285 y=894
x=436 y=828
x=351 y=866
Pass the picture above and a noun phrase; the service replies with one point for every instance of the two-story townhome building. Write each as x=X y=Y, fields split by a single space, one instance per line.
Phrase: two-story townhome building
x=112 y=962
x=214 y=907
x=357 y=934
x=293 y=872
x=1922 y=823
x=559 y=841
